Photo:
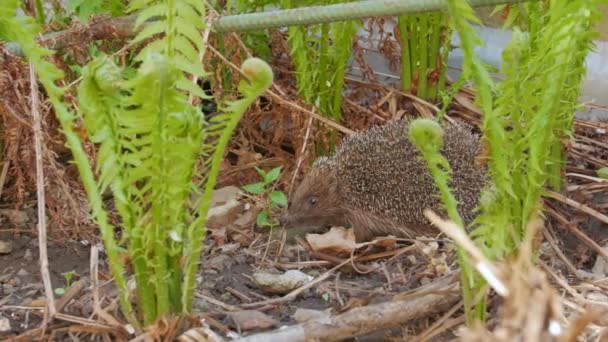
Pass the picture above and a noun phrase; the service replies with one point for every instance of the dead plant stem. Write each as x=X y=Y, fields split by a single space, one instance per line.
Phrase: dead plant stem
x=42 y=246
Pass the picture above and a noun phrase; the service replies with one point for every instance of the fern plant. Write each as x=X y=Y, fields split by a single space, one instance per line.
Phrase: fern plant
x=150 y=137
x=424 y=40
x=83 y=9
x=320 y=54
x=530 y=111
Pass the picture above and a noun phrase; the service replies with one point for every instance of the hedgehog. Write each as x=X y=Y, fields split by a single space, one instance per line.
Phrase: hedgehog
x=377 y=184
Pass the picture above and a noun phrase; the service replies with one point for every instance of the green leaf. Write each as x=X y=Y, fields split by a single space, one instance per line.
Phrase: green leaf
x=188 y=86
x=255 y=188
x=603 y=173
x=261 y=172
x=262 y=219
x=272 y=175
x=278 y=198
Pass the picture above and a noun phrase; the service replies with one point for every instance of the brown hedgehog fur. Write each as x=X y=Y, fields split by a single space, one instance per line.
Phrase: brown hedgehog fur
x=377 y=184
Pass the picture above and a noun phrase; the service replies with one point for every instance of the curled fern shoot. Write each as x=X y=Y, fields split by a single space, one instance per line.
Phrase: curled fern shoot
x=258 y=78
x=427 y=136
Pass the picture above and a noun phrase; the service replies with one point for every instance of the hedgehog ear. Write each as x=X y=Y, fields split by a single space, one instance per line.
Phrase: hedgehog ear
x=332 y=179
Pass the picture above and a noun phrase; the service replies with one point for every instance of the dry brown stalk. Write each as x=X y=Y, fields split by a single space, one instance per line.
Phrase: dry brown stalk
x=42 y=246
x=436 y=298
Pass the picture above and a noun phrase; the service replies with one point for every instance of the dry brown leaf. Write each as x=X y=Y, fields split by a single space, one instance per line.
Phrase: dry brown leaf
x=337 y=241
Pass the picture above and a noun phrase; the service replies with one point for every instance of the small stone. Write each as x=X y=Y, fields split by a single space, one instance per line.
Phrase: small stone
x=22 y=273
x=5 y=324
x=247 y=320
x=412 y=259
x=28 y=255
x=224 y=195
x=6 y=247
x=281 y=283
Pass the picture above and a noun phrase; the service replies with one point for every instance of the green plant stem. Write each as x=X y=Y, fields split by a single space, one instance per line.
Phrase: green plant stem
x=260 y=77
x=40 y=12
x=406 y=66
x=414 y=52
x=423 y=27
x=446 y=38
x=436 y=28
x=160 y=232
x=338 y=79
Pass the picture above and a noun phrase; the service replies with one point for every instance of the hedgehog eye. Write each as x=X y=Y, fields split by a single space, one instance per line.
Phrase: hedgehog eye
x=313 y=200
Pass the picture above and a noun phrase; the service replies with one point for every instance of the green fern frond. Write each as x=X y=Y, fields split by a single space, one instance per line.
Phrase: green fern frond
x=23 y=29
x=180 y=23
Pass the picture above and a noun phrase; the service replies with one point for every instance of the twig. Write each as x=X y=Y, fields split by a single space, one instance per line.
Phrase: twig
x=213 y=301
x=95 y=288
x=562 y=282
x=44 y=260
x=201 y=56
x=559 y=252
x=396 y=91
x=302 y=152
x=5 y=168
x=364 y=320
x=71 y=292
x=293 y=294
x=576 y=231
x=424 y=336
x=479 y=260
x=574 y=204
x=337 y=260
x=279 y=99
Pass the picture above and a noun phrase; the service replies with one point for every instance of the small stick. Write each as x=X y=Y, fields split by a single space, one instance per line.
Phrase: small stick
x=293 y=294
x=5 y=168
x=95 y=287
x=433 y=329
x=279 y=99
x=480 y=262
x=238 y=294
x=71 y=292
x=216 y=302
x=576 y=231
x=337 y=260
x=559 y=252
x=302 y=153
x=44 y=260
x=201 y=56
x=436 y=297
x=574 y=204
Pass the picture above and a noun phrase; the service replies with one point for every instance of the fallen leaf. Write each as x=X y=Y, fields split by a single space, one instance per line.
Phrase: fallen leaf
x=337 y=241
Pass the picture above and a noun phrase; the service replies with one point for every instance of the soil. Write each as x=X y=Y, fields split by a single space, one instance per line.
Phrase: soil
x=20 y=280
x=225 y=275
